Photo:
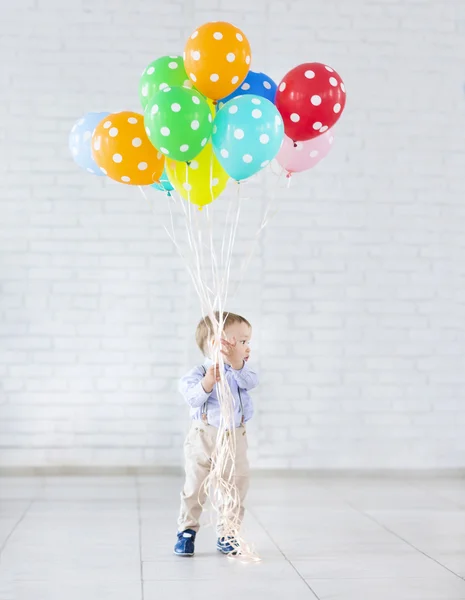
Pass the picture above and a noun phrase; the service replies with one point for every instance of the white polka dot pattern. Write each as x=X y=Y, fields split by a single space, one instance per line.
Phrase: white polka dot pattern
x=81 y=144
x=217 y=57
x=311 y=99
x=121 y=147
x=162 y=73
x=248 y=133
x=179 y=120
x=301 y=156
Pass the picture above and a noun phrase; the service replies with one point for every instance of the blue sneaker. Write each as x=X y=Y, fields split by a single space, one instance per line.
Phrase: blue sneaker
x=185 y=546
x=227 y=546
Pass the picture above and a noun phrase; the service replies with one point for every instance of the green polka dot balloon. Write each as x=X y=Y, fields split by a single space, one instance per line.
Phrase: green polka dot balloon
x=178 y=122
x=167 y=71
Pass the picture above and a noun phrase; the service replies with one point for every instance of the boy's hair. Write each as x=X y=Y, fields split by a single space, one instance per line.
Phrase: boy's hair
x=205 y=328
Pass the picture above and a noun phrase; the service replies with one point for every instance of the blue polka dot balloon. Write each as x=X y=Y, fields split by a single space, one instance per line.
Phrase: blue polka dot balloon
x=247 y=134
x=257 y=84
x=80 y=139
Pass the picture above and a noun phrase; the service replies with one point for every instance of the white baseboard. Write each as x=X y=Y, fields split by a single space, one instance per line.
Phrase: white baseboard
x=103 y=471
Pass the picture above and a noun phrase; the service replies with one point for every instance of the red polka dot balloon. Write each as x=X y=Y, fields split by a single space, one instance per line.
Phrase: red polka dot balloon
x=310 y=98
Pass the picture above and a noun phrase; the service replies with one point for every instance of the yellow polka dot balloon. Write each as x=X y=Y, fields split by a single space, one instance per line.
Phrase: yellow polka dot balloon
x=217 y=59
x=201 y=180
x=122 y=150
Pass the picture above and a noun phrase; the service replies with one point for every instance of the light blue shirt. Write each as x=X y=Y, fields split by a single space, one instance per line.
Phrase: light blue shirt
x=240 y=382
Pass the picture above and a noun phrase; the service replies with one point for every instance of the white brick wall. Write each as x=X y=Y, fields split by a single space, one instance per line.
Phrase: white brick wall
x=357 y=290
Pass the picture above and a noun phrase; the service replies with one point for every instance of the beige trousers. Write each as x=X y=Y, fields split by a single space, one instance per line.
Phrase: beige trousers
x=198 y=449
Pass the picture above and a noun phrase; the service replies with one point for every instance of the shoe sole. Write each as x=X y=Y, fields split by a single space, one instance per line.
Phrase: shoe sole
x=231 y=552
x=183 y=554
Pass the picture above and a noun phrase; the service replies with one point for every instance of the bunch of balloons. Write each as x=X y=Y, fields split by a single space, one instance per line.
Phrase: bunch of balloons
x=207 y=118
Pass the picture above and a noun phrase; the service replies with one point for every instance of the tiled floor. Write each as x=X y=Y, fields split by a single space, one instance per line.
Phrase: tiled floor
x=83 y=538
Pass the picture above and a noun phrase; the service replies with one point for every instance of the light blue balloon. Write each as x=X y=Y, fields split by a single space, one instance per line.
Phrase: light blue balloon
x=247 y=134
x=80 y=139
x=257 y=84
x=164 y=185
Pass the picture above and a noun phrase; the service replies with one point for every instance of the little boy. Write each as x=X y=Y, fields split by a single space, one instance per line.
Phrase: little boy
x=199 y=390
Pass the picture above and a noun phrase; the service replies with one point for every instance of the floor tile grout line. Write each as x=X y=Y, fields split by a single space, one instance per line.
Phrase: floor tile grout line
x=398 y=536
x=22 y=517
x=15 y=526
x=283 y=555
x=417 y=485
x=412 y=486
x=139 y=520
x=386 y=528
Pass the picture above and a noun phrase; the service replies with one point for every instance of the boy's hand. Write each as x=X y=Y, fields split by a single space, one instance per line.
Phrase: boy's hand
x=232 y=353
x=212 y=376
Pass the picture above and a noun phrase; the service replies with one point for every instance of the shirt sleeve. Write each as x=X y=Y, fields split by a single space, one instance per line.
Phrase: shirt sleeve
x=245 y=378
x=191 y=388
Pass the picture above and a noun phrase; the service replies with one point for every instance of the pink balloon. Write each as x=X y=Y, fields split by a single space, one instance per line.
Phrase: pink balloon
x=301 y=156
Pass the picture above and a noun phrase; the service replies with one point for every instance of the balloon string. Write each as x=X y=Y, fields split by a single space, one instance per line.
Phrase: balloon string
x=220 y=483
x=189 y=266
x=232 y=238
x=211 y=176
x=142 y=191
x=267 y=217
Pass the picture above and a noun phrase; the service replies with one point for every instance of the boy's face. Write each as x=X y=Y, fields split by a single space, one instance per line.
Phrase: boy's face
x=241 y=333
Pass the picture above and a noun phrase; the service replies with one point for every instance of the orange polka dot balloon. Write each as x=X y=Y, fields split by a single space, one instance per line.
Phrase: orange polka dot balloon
x=217 y=59
x=122 y=150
